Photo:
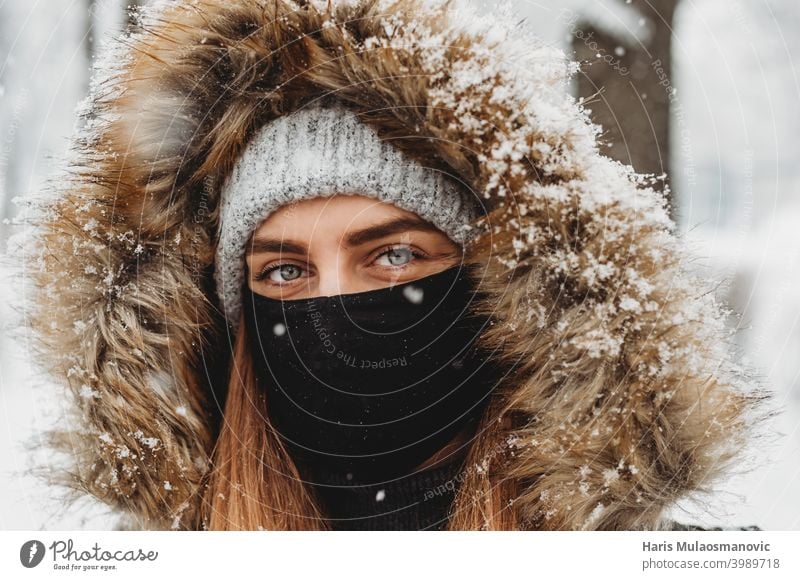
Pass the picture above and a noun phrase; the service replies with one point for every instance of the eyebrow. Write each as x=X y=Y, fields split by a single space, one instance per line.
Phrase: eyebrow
x=259 y=245
x=395 y=226
x=356 y=238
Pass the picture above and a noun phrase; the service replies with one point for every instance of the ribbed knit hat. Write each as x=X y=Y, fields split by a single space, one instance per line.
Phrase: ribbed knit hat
x=320 y=151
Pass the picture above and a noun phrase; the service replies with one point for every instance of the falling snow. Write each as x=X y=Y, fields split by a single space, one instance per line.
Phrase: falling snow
x=414 y=294
x=591 y=204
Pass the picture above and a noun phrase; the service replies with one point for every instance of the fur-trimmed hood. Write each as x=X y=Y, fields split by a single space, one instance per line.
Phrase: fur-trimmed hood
x=621 y=396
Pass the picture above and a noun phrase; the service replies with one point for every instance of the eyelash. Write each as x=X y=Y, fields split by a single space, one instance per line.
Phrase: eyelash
x=263 y=274
x=414 y=252
x=418 y=255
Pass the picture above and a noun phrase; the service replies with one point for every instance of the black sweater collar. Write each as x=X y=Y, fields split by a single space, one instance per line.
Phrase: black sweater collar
x=419 y=501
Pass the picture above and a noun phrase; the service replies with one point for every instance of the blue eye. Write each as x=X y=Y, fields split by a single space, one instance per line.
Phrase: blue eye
x=282 y=273
x=396 y=257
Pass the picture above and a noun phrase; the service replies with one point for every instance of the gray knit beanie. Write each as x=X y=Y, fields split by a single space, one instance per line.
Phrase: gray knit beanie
x=319 y=151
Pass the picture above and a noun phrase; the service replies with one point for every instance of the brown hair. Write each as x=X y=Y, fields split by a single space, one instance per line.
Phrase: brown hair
x=255 y=485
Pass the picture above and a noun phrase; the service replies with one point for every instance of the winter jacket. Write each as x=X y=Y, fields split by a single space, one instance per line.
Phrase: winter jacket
x=620 y=397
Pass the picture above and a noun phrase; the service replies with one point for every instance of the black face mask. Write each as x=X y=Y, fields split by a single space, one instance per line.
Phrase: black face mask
x=371 y=384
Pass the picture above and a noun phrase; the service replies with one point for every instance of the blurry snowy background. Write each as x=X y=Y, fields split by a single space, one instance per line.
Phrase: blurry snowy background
x=705 y=91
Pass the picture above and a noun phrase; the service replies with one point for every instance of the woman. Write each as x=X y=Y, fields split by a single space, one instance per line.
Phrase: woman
x=286 y=219
x=339 y=269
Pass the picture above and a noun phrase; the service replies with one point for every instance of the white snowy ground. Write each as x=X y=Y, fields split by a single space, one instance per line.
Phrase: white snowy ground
x=737 y=174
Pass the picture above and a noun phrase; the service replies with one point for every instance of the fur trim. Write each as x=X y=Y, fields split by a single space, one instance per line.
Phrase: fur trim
x=621 y=396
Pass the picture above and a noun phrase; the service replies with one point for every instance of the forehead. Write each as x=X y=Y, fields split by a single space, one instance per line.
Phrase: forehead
x=331 y=214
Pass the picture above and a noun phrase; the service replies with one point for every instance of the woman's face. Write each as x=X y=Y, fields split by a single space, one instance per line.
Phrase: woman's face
x=343 y=244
